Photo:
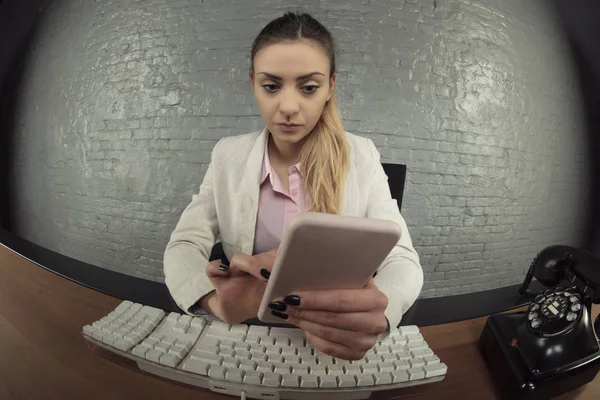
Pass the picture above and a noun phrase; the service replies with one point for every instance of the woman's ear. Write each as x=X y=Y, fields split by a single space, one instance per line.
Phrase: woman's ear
x=331 y=85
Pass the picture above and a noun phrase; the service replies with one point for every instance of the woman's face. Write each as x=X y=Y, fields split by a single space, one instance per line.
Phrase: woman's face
x=284 y=95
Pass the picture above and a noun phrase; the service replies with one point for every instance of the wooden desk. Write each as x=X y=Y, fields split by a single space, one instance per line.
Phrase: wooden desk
x=44 y=356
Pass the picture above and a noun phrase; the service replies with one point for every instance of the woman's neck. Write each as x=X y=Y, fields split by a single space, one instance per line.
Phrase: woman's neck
x=284 y=153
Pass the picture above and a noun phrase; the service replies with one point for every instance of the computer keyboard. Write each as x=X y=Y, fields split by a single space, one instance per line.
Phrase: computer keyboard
x=257 y=361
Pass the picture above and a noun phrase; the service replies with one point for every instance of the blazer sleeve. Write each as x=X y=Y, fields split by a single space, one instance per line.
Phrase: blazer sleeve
x=188 y=251
x=400 y=276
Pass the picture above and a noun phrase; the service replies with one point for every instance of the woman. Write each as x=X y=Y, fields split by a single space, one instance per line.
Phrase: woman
x=256 y=182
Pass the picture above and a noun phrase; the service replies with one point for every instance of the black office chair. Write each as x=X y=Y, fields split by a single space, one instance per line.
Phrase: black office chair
x=396 y=179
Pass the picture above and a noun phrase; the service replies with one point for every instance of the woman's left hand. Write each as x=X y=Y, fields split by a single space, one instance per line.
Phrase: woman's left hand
x=342 y=323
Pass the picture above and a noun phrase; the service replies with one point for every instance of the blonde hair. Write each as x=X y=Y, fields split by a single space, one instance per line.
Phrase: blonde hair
x=324 y=162
x=324 y=157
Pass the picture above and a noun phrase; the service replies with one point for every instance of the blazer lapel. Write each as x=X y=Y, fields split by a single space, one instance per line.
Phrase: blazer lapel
x=350 y=201
x=250 y=192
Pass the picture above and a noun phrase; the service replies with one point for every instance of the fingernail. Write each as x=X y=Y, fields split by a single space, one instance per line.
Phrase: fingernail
x=223 y=267
x=225 y=261
x=265 y=273
x=292 y=300
x=278 y=314
x=277 y=305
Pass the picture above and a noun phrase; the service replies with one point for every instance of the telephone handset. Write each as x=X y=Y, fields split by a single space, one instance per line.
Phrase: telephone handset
x=551 y=347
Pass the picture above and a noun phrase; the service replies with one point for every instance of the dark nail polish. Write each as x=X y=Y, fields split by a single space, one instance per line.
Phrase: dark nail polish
x=278 y=314
x=265 y=273
x=292 y=300
x=223 y=267
x=277 y=305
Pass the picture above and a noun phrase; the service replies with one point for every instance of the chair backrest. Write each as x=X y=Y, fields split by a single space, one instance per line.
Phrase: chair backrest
x=396 y=174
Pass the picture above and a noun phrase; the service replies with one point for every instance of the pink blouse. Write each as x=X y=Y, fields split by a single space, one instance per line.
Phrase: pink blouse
x=276 y=206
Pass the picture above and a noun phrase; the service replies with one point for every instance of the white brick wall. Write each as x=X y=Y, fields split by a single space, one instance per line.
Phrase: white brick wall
x=124 y=101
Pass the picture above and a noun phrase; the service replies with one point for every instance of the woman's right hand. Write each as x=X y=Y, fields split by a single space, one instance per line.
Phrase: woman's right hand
x=239 y=289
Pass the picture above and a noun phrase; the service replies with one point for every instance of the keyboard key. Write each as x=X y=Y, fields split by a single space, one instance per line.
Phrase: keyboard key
x=109 y=339
x=176 y=351
x=414 y=337
x=300 y=369
x=122 y=344
x=227 y=352
x=162 y=346
x=140 y=351
x=327 y=381
x=185 y=319
x=209 y=341
x=275 y=357
x=422 y=352
x=216 y=372
x=253 y=377
x=247 y=365
x=149 y=343
x=416 y=373
x=430 y=360
x=231 y=362
x=258 y=330
x=389 y=357
x=258 y=356
x=88 y=330
x=169 y=340
x=369 y=368
x=290 y=380
x=234 y=375
x=435 y=370
x=404 y=356
x=157 y=336
x=264 y=366
x=288 y=350
x=416 y=362
x=180 y=328
x=292 y=358
x=298 y=342
x=310 y=381
x=198 y=323
x=206 y=350
x=123 y=306
x=401 y=365
x=405 y=330
x=399 y=376
x=325 y=360
x=334 y=370
x=271 y=379
x=383 y=378
x=352 y=369
x=317 y=369
x=170 y=360
x=386 y=367
x=210 y=358
x=154 y=355
x=186 y=344
x=283 y=369
x=239 y=329
x=242 y=354
x=196 y=366
x=365 y=380
x=346 y=381
x=419 y=344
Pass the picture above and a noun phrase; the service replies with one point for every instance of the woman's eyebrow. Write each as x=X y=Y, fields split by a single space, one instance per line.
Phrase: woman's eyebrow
x=302 y=77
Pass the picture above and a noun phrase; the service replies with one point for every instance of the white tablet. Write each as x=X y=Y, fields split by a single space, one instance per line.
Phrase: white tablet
x=327 y=251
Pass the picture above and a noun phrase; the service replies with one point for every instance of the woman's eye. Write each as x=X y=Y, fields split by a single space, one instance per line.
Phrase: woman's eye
x=273 y=88
x=311 y=86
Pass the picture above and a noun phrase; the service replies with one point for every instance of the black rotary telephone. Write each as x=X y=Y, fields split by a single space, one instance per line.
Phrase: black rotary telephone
x=550 y=348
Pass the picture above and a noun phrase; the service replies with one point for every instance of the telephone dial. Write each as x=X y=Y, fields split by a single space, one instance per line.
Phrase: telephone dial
x=551 y=347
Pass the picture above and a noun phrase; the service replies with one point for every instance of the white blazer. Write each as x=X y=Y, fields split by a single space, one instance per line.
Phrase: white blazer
x=226 y=207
